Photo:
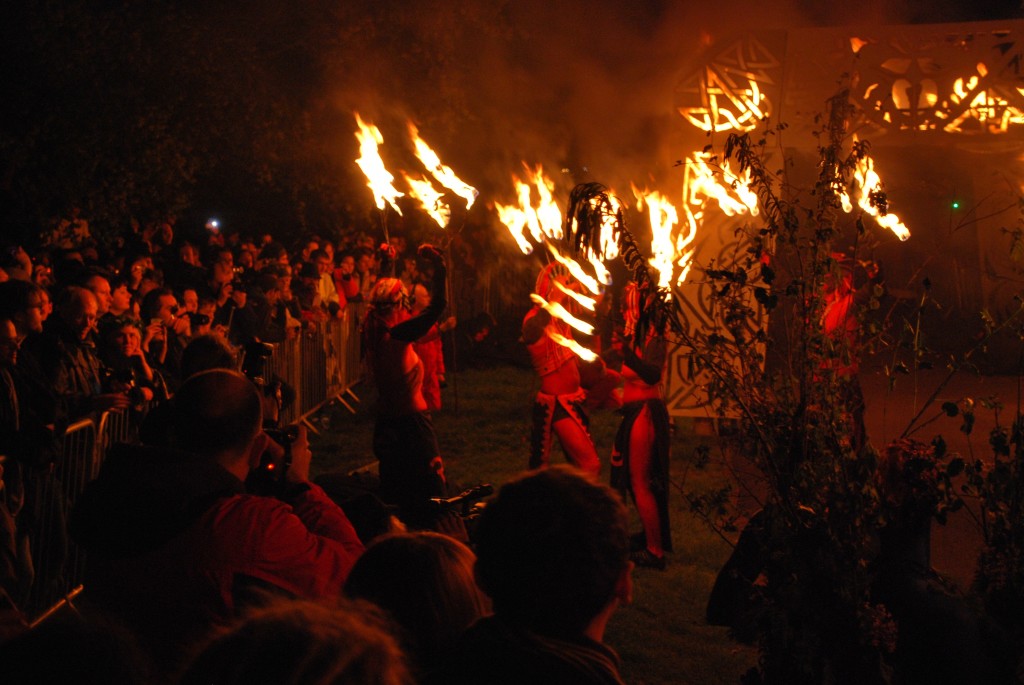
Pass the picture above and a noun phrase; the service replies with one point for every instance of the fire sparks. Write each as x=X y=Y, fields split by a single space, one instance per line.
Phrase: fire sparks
x=378 y=178
x=441 y=173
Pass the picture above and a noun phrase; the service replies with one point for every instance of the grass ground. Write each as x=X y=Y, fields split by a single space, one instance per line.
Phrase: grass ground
x=661 y=636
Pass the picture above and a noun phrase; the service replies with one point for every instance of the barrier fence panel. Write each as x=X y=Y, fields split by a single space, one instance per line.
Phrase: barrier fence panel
x=57 y=564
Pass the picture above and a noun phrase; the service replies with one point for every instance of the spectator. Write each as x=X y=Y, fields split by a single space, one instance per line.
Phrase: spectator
x=100 y=287
x=175 y=543
x=67 y=360
x=303 y=642
x=328 y=294
x=160 y=308
x=424 y=581
x=121 y=303
x=553 y=555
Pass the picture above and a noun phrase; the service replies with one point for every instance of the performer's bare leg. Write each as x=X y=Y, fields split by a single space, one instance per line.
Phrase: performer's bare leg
x=641 y=449
x=578 y=446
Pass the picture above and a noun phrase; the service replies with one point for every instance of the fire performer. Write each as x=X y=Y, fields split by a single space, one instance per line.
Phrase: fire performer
x=559 y=406
x=404 y=442
x=640 y=457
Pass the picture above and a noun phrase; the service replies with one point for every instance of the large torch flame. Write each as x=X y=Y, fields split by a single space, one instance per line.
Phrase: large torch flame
x=663 y=217
x=441 y=173
x=378 y=178
x=542 y=219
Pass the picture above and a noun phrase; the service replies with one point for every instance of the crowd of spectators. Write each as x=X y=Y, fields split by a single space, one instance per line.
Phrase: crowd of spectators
x=195 y=574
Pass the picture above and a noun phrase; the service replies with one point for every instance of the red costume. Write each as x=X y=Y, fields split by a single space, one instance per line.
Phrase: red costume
x=559 y=407
x=174 y=542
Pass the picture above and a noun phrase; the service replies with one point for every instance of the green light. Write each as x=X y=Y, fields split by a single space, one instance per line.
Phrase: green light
x=956 y=205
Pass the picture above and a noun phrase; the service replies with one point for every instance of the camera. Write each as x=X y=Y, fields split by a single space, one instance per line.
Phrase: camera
x=270 y=477
x=198 y=319
x=467 y=505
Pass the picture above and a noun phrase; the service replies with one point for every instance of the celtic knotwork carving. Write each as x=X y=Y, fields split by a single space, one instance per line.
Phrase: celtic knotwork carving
x=728 y=93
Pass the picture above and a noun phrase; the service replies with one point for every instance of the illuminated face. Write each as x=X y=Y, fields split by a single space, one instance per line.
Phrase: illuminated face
x=120 y=299
x=420 y=297
x=168 y=308
x=191 y=301
x=100 y=287
x=46 y=303
x=82 y=314
x=31 y=319
x=323 y=265
x=128 y=340
x=8 y=344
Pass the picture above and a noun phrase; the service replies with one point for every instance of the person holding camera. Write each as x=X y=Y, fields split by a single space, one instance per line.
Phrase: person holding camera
x=177 y=544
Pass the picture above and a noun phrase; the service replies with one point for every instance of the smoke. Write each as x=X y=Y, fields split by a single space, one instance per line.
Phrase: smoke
x=583 y=87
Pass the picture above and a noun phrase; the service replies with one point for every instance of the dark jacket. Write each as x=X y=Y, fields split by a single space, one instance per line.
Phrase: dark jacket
x=492 y=652
x=173 y=538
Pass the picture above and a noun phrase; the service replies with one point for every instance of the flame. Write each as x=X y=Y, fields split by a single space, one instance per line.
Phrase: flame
x=582 y=300
x=432 y=201
x=663 y=217
x=733 y=193
x=866 y=180
x=585 y=279
x=379 y=179
x=578 y=349
x=562 y=314
x=542 y=219
x=441 y=173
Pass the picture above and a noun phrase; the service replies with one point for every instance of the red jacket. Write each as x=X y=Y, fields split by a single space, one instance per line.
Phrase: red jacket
x=174 y=543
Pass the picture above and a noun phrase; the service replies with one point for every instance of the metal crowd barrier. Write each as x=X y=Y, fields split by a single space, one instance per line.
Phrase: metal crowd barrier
x=322 y=364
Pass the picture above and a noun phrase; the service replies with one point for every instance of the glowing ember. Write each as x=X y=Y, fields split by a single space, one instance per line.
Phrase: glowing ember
x=378 y=178
x=441 y=173
x=578 y=349
x=432 y=201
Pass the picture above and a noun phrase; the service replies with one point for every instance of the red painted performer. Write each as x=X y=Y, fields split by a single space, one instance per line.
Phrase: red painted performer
x=430 y=349
x=559 y=404
x=640 y=458
x=404 y=442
